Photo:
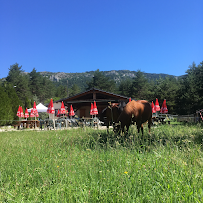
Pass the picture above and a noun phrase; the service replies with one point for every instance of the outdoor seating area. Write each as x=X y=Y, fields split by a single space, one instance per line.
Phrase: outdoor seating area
x=63 y=121
x=69 y=119
x=57 y=124
x=29 y=124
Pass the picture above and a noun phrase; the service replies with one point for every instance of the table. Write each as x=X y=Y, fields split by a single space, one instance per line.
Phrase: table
x=27 y=124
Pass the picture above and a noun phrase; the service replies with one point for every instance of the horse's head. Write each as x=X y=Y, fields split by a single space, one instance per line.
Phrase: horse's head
x=121 y=106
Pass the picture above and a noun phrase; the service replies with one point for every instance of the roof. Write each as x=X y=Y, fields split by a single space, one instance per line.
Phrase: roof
x=93 y=94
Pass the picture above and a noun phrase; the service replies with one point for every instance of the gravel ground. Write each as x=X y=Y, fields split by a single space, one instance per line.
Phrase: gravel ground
x=11 y=128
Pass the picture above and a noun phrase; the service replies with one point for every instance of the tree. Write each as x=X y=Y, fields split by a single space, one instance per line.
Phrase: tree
x=74 y=90
x=167 y=89
x=6 y=112
x=125 y=87
x=140 y=86
x=61 y=91
x=19 y=80
x=49 y=90
x=35 y=83
x=27 y=103
x=190 y=95
x=13 y=97
x=100 y=81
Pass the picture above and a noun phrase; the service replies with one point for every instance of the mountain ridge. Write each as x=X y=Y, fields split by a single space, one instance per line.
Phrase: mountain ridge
x=81 y=78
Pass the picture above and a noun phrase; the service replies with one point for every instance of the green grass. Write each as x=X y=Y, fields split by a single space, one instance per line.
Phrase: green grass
x=86 y=165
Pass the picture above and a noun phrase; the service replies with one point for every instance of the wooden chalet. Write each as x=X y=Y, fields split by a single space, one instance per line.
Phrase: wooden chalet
x=82 y=102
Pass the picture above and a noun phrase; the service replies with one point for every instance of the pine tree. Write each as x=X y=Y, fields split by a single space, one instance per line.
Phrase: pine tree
x=125 y=87
x=13 y=97
x=6 y=113
x=19 y=80
x=140 y=86
x=100 y=81
x=74 y=90
x=190 y=95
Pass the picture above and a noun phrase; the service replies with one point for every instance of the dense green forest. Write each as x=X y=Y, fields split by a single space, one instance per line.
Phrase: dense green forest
x=184 y=95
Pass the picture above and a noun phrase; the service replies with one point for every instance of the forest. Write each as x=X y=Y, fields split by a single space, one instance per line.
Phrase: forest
x=184 y=95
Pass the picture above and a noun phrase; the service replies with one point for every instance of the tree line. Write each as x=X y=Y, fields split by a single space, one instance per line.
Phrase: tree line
x=184 y=95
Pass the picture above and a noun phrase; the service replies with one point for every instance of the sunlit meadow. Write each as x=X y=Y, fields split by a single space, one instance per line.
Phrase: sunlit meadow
x=87 y=165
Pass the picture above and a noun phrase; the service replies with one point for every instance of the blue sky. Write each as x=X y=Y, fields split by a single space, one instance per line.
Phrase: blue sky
x=85 y=35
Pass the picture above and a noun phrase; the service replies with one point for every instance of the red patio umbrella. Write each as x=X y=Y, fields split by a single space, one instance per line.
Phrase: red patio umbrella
x=164 y=107
x=95 y=111
x=51 y=110
x=18 y=112
x=91 y=110
x=58 y=113
x=157 y=107
x=32 y=114
x=153 y=109
x=21 y=112
x=26 y=113
x=51 y=107
x=71 y=113
x=34 y=108
x=63 y=110
x=36 y=113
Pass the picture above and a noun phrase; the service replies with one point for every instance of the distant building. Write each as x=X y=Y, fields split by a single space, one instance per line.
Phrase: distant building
x=82 y=102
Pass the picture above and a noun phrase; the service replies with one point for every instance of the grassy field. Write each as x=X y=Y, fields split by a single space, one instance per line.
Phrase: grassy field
x=86 y=165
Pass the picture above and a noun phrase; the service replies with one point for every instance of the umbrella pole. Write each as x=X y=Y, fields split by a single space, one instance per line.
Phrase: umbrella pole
x=54 y=121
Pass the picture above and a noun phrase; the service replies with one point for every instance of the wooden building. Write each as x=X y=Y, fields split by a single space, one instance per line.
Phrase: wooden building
x=82 y=102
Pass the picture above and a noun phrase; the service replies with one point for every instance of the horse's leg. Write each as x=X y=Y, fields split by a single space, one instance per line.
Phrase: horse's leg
x=107 y=127
x=142 y=129
x=138 y=128
x=127 y=128
x=149 y=123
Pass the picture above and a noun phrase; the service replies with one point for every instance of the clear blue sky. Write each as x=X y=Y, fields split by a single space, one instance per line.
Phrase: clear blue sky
x=154 y=36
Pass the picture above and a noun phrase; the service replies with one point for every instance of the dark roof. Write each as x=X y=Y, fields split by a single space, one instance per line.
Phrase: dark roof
x=87 y=96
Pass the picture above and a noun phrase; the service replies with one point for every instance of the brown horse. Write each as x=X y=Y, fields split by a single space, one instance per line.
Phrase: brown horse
x=137 y=111
x=111 y=113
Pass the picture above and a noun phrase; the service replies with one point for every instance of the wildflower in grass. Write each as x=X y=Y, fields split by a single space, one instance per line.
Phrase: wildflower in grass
x=126 y=172
x=57 y=166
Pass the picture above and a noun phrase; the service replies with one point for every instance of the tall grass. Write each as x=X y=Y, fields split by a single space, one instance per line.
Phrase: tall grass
x=86 y=165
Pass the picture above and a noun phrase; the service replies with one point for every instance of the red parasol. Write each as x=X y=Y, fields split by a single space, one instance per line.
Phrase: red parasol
x=32 y=114
x=26 y=113
x=91 y=110
x=71 y=113
x=63 y=110
x=21 y=112
x=157 y=107
x=18 y=112
x=36 y=113
x=51 y=107
x=153 y=109
x=58 y=113
x=164 y=107
x=95 y=111
x=130 y=99
x=34 y=108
